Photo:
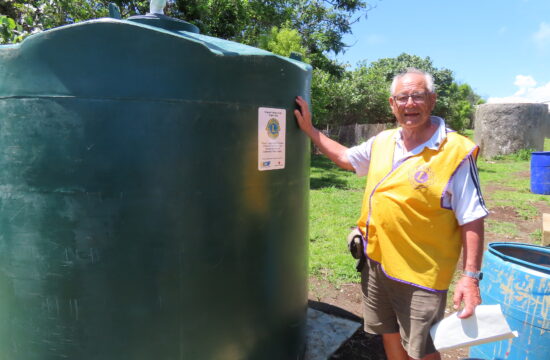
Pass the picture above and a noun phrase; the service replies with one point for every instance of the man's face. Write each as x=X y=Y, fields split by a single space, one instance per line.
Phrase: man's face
x=412 y=112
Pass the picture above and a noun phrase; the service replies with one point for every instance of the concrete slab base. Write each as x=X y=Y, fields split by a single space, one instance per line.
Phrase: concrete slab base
x=325 y=334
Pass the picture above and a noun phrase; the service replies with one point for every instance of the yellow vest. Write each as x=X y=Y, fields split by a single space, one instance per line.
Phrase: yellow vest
x=407 y=230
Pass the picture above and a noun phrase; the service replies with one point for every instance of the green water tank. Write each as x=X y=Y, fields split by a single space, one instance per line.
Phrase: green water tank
x=153 y=196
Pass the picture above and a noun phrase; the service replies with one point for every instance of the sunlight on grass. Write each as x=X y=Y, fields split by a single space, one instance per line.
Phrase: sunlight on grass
x=521 y=201
x=501 y=227
x=503 y=172
x=537 y=236
x=335 y=202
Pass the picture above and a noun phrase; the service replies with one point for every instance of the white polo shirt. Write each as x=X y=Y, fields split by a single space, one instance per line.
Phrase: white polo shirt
x=463 y=195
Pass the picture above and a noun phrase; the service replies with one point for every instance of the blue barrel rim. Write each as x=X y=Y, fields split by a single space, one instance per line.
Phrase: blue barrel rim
x=540 y=152
x=496 y=252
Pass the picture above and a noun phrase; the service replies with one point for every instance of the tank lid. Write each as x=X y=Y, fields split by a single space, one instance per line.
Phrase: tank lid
x=164 y=22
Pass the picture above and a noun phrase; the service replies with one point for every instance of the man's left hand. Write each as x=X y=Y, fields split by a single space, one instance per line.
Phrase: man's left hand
x=467 y=291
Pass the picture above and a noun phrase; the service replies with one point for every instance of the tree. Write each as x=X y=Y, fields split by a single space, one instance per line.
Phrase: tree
x=463 y=100
x=314 y=28
x=321 y=24
x=45 y=14
x=361 y=96
x=10 y=31
x=283 y=41
x=358 y=96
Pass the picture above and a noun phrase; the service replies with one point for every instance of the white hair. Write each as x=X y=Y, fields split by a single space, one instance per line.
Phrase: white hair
x=427 y=77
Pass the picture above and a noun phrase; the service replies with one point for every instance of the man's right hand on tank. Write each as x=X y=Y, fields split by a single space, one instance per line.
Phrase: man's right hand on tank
x=303 y=116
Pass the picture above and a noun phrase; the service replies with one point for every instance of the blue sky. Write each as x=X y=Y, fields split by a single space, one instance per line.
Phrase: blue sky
x=500 y=47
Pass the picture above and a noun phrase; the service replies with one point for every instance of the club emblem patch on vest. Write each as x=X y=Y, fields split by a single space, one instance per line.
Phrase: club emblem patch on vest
x=273 y=128
x=421 y=177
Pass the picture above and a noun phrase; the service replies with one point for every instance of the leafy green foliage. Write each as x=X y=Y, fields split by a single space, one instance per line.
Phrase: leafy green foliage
x=283 y=41
x=35 y=16
x=361 y=96
x=320 y=24
x=10 y=32
x=354 y=97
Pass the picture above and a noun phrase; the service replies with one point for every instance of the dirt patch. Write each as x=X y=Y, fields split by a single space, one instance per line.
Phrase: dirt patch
x=525 y=227
x=347 y=297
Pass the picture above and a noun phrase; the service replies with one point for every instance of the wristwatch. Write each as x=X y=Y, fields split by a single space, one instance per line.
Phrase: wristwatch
x=473 y=274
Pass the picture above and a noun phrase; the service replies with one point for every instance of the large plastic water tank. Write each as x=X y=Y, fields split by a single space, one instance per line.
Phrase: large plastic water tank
x=153 y=196
x=517 y=276
x=540 y=172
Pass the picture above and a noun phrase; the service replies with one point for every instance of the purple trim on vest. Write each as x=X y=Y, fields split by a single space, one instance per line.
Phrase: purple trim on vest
x=407 y=282
x=451 y=178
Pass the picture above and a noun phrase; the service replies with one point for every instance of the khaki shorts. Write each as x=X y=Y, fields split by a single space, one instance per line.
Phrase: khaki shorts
x=391 y=306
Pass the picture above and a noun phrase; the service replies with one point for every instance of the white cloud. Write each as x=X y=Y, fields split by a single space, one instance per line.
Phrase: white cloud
x=528 y=92
x=542 y=36
x=524 y=83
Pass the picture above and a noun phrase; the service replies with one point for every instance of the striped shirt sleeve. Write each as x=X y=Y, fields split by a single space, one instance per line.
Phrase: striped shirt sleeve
x=464 y=193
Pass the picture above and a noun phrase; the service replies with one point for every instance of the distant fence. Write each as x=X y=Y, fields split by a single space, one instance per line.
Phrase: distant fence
x=350 y=135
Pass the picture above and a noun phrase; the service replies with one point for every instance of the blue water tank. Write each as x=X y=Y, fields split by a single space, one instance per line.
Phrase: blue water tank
x=540 y=172
x=517 y=276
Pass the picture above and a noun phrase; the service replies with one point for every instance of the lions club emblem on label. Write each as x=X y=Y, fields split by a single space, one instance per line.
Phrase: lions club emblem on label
x=273 y=128
x=421 y=177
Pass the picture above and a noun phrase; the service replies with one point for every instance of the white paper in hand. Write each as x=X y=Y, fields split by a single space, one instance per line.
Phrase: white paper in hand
x=486 y=325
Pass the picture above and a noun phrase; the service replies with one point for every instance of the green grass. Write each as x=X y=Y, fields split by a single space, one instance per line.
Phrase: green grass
x=469 y=133
x=501 y=227
x=536 y=236
x=520 y=200
x=335 y=200
x=503 y=172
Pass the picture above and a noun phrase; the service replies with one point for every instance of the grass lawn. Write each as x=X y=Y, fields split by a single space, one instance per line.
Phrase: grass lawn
x=335 y=202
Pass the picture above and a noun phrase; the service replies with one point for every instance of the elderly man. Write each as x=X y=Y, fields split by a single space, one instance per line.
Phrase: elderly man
x=422 y=204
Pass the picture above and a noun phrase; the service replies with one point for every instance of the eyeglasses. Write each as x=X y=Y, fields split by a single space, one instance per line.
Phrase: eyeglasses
x=417 y=98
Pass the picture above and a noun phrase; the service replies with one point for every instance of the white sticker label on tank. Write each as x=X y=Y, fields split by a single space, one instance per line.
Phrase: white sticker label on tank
x=271 y=138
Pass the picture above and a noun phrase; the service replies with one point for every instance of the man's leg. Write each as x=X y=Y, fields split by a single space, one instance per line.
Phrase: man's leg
x=393 y=348
x=416 y=310
x=378 y=313
x=395 y=351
